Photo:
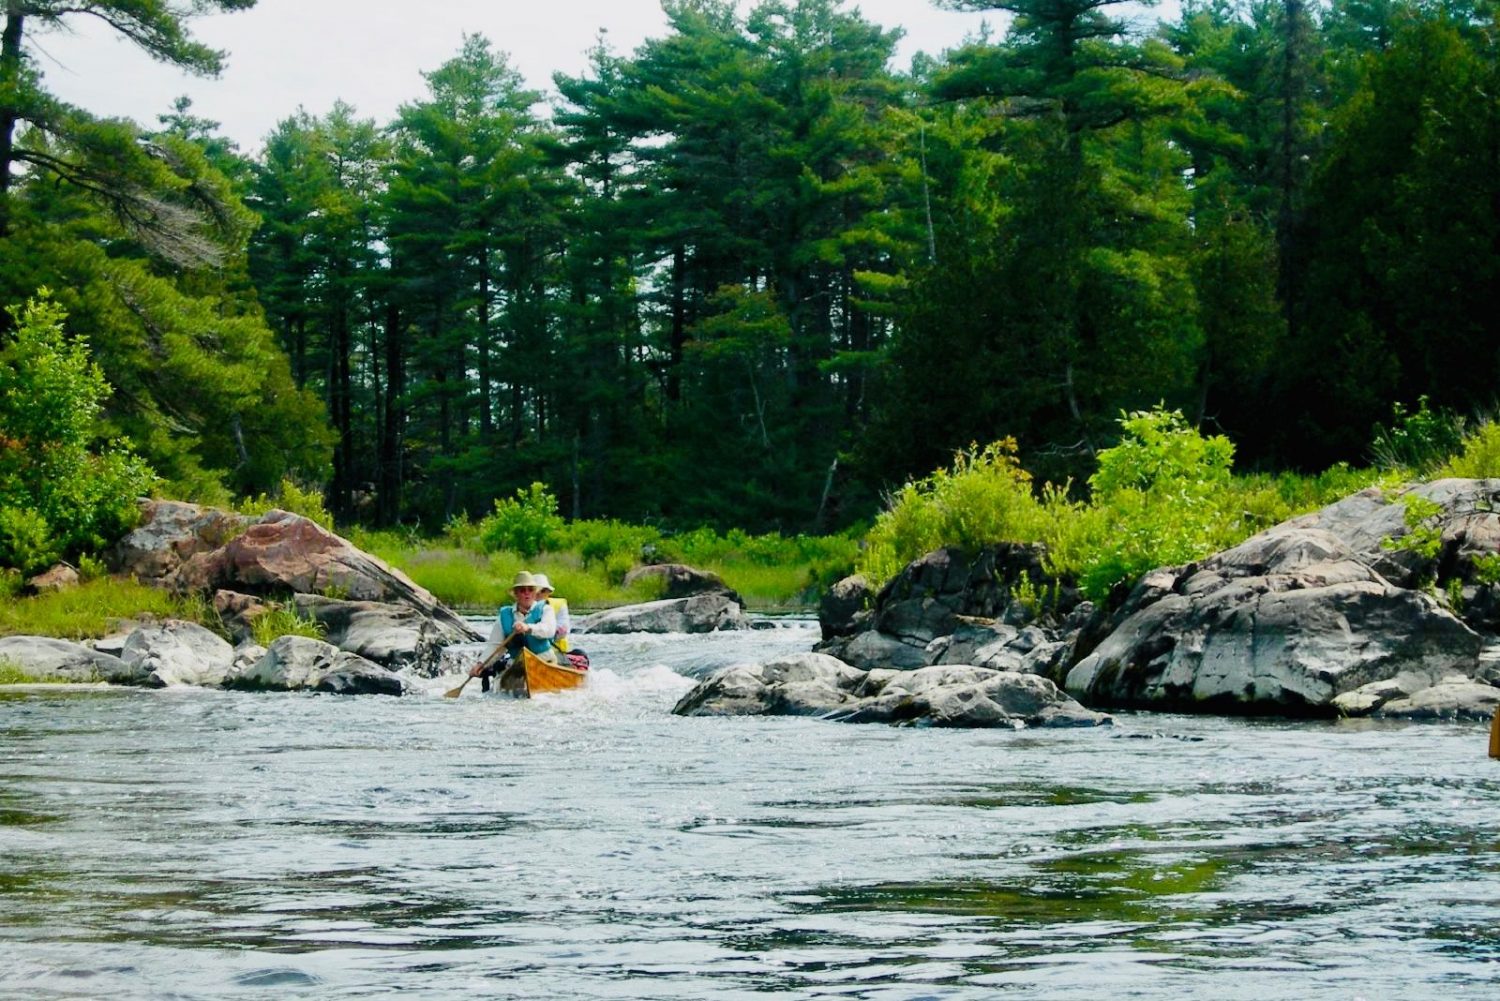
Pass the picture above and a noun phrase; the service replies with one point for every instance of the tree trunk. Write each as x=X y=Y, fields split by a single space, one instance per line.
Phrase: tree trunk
x=390 y=438
x=10 y=79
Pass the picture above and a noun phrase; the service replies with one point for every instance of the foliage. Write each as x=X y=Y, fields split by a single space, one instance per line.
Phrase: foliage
x=1424 y=529
x=283 y=620
x=985 y=497
x=290 y=496
x=527 y=523
x=1418 y=443
x=1487 y=569
x=97 y=608
x=1479 y=456
x=61 y=492
x=1163 y=495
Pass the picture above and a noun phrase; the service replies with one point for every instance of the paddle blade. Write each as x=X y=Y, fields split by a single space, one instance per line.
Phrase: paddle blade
x=454 y=693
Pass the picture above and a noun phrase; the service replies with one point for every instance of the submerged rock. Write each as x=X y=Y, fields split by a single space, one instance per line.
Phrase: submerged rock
x=815 y=684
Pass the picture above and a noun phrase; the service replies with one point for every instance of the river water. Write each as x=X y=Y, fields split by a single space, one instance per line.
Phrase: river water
x=205 y=845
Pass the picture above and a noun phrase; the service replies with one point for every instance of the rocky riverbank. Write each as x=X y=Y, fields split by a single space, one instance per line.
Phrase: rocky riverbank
x=1384 y=604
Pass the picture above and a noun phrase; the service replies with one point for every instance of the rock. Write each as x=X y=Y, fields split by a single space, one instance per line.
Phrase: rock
x=703 y=613
x=300 y=663
x=681 y=581
x=397 y=637
x=246 y=656
x=949 y=695
x=871 y=650
x=1454 y=697
x=284 y=554
x=839 y=612
x=47 y=659
x=172 y=532
x=58 y=578
x=238 y=612
x=934 y=596
x=1285 y=622
x=177 y=653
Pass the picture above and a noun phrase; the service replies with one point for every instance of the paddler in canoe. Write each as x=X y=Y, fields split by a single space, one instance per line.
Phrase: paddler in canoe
x=526 y=629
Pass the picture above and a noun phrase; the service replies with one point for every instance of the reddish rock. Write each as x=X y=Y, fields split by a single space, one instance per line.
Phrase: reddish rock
x=285 y=553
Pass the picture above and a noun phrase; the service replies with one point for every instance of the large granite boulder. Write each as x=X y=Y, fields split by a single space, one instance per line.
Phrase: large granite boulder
x=1290 y=620
x=702 y=613
x=815 y=684
x=170 y=533
x=398 y=637
x=176 y=653
x=284 y=554
x=300 y=663
x=677 y=580
x=46 y=659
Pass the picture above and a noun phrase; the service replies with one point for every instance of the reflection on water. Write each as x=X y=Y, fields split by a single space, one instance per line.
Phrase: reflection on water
x=184 y=844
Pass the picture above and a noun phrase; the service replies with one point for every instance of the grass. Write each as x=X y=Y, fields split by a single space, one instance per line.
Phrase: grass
x=769 y=572
x=279 y=621
x=95 y=609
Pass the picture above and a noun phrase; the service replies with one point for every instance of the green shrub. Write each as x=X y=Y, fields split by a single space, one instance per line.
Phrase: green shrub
x=527 y=523
x=289 y=496
x=1162 y=490
x=1417 y=443
x=63 y=491
x=1479 y=456
x=984 y=498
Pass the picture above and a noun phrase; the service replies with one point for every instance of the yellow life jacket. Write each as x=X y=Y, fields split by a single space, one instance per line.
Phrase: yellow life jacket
x=560 y=609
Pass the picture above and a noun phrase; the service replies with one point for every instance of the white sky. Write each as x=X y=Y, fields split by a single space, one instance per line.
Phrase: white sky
x=370 y=53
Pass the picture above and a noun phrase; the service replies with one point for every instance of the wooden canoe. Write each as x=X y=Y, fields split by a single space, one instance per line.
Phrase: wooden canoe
x=542 y=677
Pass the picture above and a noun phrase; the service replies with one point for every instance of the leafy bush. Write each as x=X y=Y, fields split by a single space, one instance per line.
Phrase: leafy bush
x=527 y=523
x=985 y=498
x=1161 y=490
x=1417 y=443
x=62 y=491
x=289 y=496
x=1479 y=456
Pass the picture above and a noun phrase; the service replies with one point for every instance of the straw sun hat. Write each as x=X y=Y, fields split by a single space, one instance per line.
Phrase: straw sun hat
x=524 y=579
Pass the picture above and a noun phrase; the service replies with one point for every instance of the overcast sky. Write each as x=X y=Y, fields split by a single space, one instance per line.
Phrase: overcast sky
x=289 y=53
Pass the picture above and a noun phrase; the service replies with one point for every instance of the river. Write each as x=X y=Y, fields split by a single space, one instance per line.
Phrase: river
x=188 y=844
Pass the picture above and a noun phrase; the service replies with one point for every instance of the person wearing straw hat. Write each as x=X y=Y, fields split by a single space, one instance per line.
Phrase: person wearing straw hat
x=559 y=609
x=527 y=622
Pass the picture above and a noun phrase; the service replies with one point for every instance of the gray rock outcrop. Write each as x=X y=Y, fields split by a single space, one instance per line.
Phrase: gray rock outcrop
x=47 y=659
x=944 y=593
x=300 y=663
x=1316 y=616
x=815 y=684
x=398 y=637
x=176 y=653
x=703 y=613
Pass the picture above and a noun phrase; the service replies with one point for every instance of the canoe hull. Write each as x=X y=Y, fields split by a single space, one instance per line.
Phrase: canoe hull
x=542 y=677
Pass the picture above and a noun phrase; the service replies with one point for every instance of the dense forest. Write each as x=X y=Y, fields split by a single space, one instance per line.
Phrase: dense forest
x=753 y=274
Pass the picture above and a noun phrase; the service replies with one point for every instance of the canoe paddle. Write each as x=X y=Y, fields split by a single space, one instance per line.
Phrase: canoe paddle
x=454 y=693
